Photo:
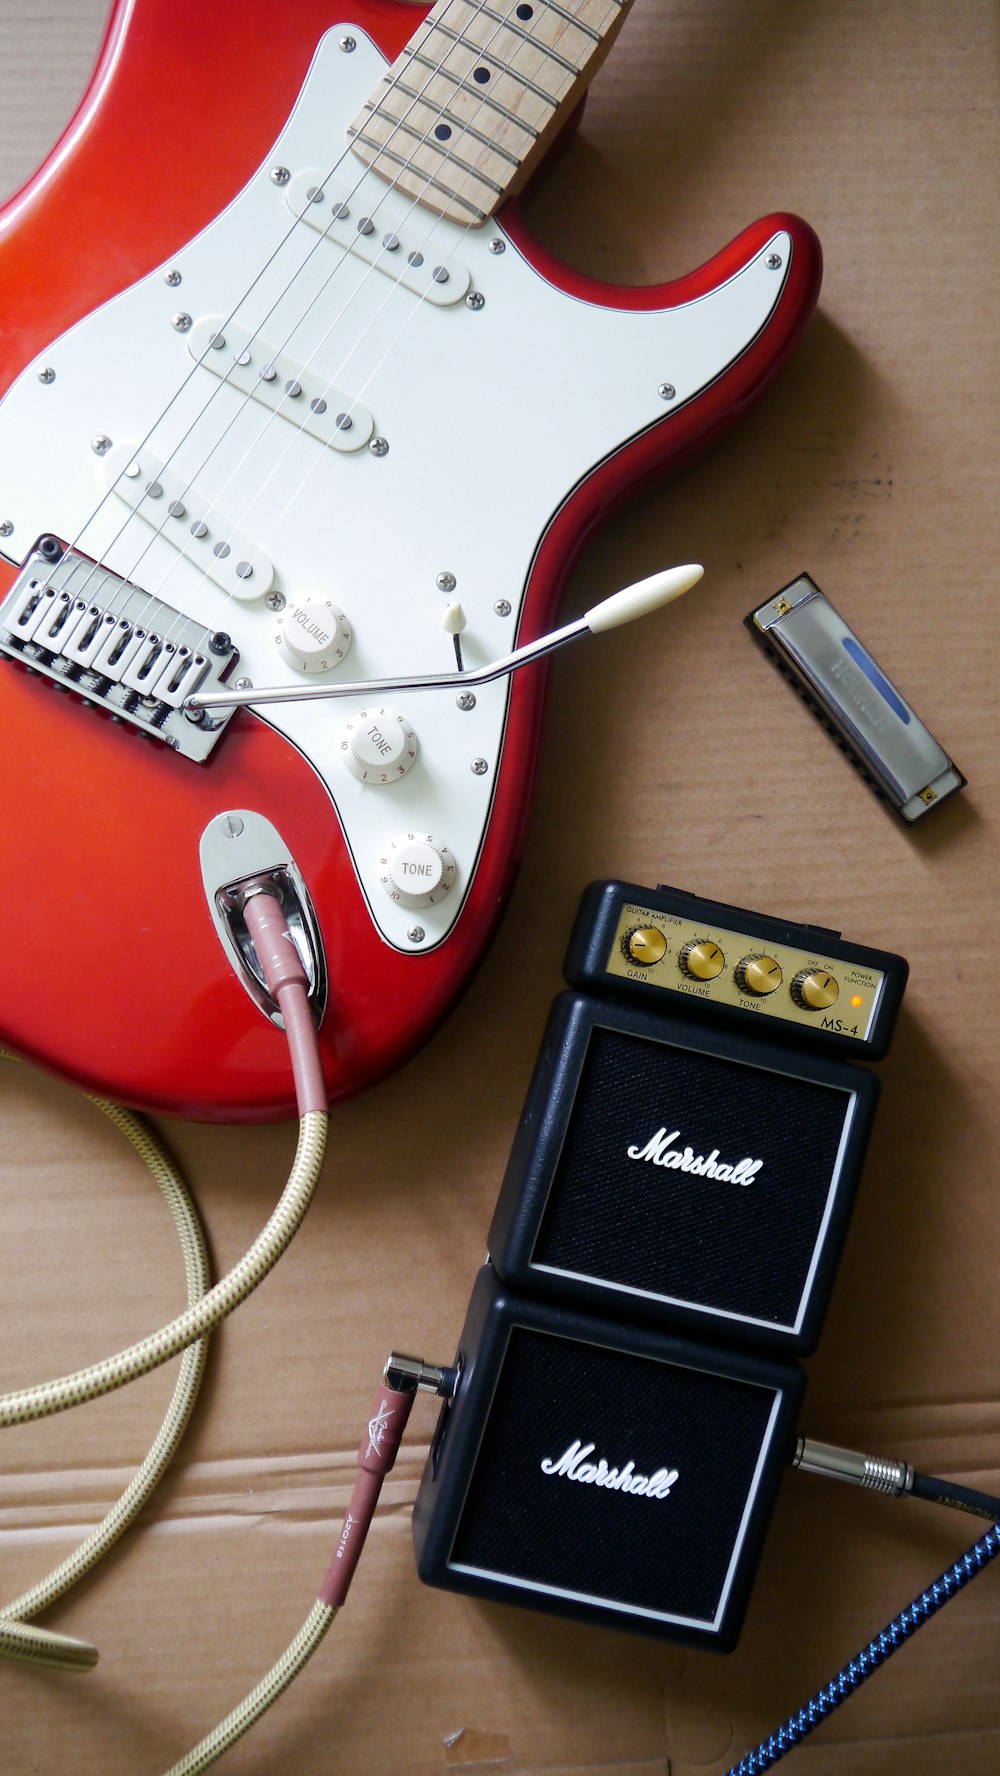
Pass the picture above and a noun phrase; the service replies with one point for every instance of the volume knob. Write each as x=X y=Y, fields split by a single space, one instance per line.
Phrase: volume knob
x=313 y=635
x=815 y=990
x=417 y=870
x=701 y=959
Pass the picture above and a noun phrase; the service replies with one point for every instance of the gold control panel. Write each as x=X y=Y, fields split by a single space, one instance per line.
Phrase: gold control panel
x=726 y=966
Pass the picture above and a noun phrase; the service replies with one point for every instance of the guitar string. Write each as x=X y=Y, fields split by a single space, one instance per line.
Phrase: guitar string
x=526 y=41
x=355 y=401
x=228 y=320
x=439 y=67
x=377 y=265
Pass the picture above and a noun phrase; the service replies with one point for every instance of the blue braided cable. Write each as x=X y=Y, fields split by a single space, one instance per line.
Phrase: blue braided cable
x=853 y=1675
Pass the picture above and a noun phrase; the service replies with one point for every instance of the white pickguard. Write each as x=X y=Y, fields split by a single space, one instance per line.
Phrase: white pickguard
x=492 y=416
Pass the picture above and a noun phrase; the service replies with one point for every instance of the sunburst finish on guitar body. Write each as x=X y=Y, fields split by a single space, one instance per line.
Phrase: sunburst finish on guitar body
x=279 y=408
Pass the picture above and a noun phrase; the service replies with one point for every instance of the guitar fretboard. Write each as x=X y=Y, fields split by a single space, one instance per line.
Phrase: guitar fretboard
x=465 y=113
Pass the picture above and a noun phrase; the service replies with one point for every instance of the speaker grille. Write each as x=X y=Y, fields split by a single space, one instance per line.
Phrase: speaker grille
x=672 y=1557
x=745 y=1250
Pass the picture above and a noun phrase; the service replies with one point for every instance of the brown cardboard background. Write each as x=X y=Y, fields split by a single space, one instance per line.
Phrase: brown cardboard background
x=680 y=756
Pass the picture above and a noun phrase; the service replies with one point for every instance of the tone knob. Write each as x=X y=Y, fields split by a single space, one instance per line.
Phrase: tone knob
x=378 y=745
x=313 y=635
x=701 y=959
x=759 y=975
x=417 y=870
x=815 y=990
x=644 y=945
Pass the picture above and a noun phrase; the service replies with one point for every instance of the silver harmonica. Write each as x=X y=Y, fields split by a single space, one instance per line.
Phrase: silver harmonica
x=886 y=740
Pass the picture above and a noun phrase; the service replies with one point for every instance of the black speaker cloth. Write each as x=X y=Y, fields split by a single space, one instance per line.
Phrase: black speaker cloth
x=666 y=1554
x=742 y=1248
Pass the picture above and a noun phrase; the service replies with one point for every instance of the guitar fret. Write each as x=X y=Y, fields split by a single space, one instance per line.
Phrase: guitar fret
x=421 y=101
x=560 y=11
x=455 y=160
x=551 y=54
x=415 y=181
x=505 y=67
x=481 y=95
x=481 y=98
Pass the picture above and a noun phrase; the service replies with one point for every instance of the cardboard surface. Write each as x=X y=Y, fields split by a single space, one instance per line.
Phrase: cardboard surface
x=681 y=757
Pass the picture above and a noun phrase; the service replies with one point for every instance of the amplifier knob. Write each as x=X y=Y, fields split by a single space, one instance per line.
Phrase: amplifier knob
x=759 y=975
x=701 y=959
x=815 y=990
x=378 y=745
x=416 y=870
x=314 y=635
x=645 y=945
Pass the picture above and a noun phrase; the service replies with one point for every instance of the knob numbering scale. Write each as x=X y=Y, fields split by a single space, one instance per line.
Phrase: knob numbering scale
x=417 y=870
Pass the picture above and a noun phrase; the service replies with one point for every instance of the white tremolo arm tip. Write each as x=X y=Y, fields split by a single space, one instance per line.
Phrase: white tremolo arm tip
x=644 y=596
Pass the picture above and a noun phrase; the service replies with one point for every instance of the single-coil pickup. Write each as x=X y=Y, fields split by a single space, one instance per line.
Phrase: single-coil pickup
x=191 y=523
x=81 y=626
x=297 y=392
x=406 y=255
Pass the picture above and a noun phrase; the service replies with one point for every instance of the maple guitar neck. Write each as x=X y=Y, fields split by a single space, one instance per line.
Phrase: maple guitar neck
x=465 y=113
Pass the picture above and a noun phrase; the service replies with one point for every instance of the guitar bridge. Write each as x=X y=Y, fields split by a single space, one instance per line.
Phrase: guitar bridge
x=122 y=650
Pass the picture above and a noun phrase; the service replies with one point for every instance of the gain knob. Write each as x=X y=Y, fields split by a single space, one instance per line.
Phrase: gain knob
x=378 y=745
x=815 y=990
x=701 y=959
x=416 y=870
x=313 y=635
x=758 y=975
x=644 y=945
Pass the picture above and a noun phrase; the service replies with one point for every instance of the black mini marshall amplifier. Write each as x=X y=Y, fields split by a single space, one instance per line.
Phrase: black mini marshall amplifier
x=683 y=1174
x=688 y=1154
x=684 y=1168
x=608 y=1473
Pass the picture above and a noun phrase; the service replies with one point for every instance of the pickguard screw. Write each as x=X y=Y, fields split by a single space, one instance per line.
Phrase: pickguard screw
x=349 y=45
x=172 y=278
x=498 y=246
x=466 y=700
x=280 y=175
x=232 y=825
x=100 y=445
x=479 y=767
x=446 y=582
x=180 y=321
x=6 y=528
x=416 y=934
x=666 y=391
x=47 y=375
x=379 y=446
x=502 y=607
x=275 y=601
x=475 y=300
x=773 y=262
x=244 y=684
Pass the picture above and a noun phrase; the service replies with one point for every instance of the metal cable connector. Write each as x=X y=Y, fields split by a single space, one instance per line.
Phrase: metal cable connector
x=874 y=1472
x=411 y=1375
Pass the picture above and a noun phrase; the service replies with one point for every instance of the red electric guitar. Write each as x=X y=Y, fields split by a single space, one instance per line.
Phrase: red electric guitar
x=286 y=378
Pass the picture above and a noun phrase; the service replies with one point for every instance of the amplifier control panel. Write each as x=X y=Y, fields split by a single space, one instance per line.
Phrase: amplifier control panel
x=664 y=943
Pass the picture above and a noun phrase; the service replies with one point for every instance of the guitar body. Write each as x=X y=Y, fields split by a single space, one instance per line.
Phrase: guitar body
x=488 y=436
